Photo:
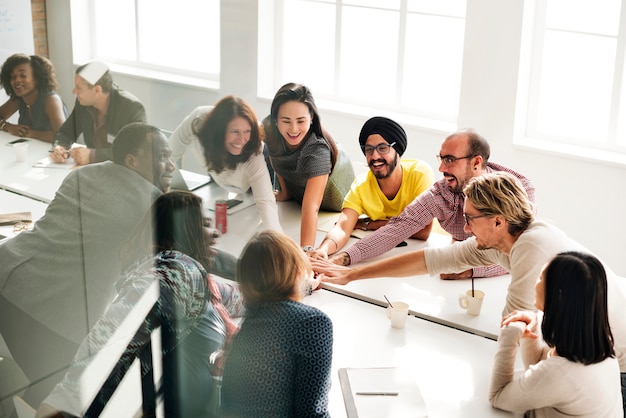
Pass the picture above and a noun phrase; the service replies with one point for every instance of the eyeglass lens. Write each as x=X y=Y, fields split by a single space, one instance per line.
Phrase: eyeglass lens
x=381 y=148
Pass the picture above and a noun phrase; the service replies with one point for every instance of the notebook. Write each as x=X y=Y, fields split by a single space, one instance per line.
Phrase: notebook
x=381 y=392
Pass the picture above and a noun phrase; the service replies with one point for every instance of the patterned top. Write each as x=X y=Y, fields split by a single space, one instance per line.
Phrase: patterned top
x=312 y=159
x=183 y=307
x=279 y=363
x=437 y=202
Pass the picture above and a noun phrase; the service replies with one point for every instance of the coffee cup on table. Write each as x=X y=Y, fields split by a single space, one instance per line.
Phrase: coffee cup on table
x=21 y=149
x=397 y=312
x=472 y=301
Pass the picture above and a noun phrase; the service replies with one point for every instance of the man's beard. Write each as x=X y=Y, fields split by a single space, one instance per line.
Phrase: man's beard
x=390 y=168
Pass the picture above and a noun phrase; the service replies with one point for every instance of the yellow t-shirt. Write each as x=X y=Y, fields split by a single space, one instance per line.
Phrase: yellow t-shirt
x=365 y=197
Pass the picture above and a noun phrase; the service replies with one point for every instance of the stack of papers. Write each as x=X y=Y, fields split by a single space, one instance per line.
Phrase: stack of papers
x=48 y=163
x=13 y=218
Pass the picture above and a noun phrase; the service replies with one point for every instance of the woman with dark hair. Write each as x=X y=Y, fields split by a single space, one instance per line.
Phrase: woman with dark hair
x=309 y=166
x=279 y=363
x=233 y=151
x=571 y=369
x=167 y=254
x=31 y=84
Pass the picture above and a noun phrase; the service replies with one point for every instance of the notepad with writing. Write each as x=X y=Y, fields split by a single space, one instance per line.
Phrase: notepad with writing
x=381 y=392
x=48 y=163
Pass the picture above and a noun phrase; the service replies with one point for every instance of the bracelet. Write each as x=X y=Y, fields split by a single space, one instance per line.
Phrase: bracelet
x=330 y=239
x=308 y=249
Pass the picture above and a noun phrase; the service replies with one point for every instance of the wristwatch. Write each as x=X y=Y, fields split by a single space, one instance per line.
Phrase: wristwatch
x=364 y=223
x=308 y=249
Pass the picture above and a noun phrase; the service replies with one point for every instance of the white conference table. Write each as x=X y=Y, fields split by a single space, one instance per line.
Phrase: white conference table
x=428 y=297
x=451 y=368
x=445 y=360
x=21 y=177
x=431 y=298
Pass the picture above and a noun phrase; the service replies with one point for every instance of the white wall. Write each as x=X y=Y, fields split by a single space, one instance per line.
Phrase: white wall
x=583 y=197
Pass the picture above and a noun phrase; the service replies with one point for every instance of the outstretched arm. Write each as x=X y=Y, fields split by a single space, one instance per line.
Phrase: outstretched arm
x=339 y=234
x=402 y=265
x=313 y=194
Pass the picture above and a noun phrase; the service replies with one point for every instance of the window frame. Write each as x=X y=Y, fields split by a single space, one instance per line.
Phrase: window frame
x=527 y=108
x=85 y=50
x=337 y=101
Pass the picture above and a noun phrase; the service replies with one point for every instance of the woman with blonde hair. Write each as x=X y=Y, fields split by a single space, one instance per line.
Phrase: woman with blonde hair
x=280 y=360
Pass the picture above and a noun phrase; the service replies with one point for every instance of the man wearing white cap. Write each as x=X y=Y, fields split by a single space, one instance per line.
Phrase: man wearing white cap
x=100 y=111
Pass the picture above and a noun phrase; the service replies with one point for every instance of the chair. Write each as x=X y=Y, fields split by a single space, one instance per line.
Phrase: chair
x=23 y=409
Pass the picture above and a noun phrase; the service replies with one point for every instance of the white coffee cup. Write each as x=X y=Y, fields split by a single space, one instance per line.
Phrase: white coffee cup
x=20 y=149
x=472 y=304
x=398 y=314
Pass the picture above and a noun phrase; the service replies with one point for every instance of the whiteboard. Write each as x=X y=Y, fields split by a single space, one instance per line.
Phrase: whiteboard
x=16 y=31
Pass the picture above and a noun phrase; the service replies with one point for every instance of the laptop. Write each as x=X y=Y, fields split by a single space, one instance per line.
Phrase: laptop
x=188 y=180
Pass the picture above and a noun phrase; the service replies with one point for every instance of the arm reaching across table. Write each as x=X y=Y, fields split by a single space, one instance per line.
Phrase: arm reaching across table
x=402 y=265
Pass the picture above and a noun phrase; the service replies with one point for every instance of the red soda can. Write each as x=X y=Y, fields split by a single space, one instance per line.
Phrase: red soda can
x=221 y=222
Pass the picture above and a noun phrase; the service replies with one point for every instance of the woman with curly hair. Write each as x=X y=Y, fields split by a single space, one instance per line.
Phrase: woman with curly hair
x=30 y=82
x=231 y=144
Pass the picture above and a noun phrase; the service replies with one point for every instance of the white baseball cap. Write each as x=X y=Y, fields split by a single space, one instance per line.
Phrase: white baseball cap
x=92 y=71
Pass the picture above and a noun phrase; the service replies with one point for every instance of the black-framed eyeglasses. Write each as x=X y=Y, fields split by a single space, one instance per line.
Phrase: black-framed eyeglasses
x=468 y=218
x=448 y=160
x=381 y=148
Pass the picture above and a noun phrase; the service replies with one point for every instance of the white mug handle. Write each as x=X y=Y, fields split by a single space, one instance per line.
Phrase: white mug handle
x=463 y=301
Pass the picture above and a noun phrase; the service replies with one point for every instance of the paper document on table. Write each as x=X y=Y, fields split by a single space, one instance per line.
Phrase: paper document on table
x=360 y=234
x=12 y=218
x=48 y=163
x=381 y=392
x=327 y=224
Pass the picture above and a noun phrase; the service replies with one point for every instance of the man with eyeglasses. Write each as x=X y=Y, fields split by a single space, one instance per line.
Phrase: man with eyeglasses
x=500 y=215
x=384 y=191
x=463 y=155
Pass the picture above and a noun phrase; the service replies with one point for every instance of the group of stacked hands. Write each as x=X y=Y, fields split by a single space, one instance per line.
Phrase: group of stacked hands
x=88 y=288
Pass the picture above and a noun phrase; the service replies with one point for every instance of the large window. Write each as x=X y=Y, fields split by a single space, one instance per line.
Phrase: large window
x=181 y=37
x=403 y=56
x=577 y=93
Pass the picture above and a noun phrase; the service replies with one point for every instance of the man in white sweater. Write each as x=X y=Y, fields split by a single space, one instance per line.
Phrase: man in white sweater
x=500 y=216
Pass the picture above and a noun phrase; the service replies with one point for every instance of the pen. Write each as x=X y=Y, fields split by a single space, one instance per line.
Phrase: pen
x=378 y=393
x=66 y=154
